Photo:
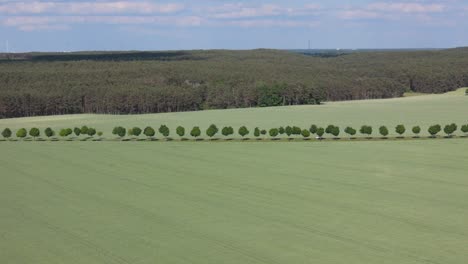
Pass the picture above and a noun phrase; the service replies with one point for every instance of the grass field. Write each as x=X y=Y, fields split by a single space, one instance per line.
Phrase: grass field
x=423 y=110
x=174 y=202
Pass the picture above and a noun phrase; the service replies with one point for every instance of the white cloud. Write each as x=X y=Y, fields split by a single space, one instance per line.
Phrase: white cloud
x=70 y=8
x=407 y=7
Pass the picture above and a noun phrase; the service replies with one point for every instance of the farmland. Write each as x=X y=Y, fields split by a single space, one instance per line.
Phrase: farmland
x=240 y=202
x=186 y=202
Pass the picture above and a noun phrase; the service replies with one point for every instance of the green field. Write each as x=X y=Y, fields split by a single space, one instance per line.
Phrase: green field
x=423 y=110
x=186 y=202
x=360 y=202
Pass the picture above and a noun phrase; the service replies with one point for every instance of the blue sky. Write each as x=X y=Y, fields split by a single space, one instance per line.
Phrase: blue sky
x=54 y=25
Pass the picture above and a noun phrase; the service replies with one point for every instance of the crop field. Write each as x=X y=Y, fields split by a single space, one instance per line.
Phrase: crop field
x=234 y=202
x=360 y=202
x=422 y=110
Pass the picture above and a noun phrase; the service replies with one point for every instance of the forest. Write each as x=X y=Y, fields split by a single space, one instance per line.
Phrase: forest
x=33 y=84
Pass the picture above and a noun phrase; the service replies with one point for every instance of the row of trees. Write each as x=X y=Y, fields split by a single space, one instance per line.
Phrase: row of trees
x=49 y=132
x=243 y=131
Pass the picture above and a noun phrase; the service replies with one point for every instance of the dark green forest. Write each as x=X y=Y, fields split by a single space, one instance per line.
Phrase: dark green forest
x=34 y=84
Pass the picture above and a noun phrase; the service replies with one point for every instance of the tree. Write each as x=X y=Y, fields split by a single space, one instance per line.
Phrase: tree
x=34 y=132
x=63 y=132
x=84 y=130
x=320 y=132
x=6 y=133
x=149 y=132
x=227 y=131
x=383 y=130
x=212 y=130
x=49 y=132
x=296 y=130
x=313 y=129
x=100 y=134
x=130 y=132
x=180 y=131
x=350 y=131
x=196 y=132
x=274 y=132
x=164 y=130
x=281 y=130
x=69 y=131
x=416 y=130
x=119 y=131
x=21 y=133
x=335 y=131
x=434 y=130
x=256 y=132
x=92 y=132
x=464 y=128
x=288 y=131
x=263 y=132
x=77 y=131
x=243 y=131
x=450 y=129
x=136 y=131
x=329 y=129
x=400 y=129
x=366 y=130
x=305 y=133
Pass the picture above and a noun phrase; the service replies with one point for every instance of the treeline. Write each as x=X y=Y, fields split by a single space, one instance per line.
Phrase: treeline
x=228 y=131
x=152 y=82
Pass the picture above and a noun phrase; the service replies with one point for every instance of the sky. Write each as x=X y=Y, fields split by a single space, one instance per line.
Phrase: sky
x=58 y=25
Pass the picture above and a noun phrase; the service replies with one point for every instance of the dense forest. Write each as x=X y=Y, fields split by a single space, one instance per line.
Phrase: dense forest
x=149 y=82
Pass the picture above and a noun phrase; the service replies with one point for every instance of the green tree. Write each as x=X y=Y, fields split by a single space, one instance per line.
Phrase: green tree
x=383 y=130
x=313 y=129
x=196 y=132
x=320 y=132
x=243 y=131
x=434 y=130
x=416 y=130
x=350 y=131
x=92 y=132
x=119 y=131
x=256 y=132
x=227 y=131
x=400 y=129
x=305 y=133
x=296 y=130
x=63 y=132
x=49 y=132
x=366 y=130
x=335 y=131
x=77 y=131
x=212 y=130
x=274 y=132
x=34 y=132
x=263 y=132
x=100 y=134
x=464 y=128
x=329 y=129
x=21 y=133
x=450 y=129
x=6 y=133
x=68 y=131
x=149 y=132
x=180 y=131
x=84 y=130
x=164 y=130
x=136 y=131
x=130 y=132
x=289 y=131
x=281 y=130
